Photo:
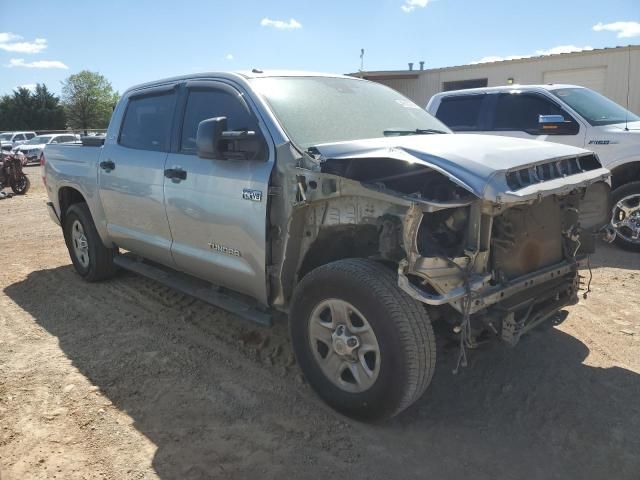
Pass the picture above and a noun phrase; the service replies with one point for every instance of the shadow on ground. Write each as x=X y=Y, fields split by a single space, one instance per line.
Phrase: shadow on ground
x=610 y=255
x=214 y=411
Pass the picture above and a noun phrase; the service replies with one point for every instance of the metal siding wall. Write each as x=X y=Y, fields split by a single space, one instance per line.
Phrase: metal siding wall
x=532 y=71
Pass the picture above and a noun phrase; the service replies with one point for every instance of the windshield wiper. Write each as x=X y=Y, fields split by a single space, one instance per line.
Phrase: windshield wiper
x=417 y=131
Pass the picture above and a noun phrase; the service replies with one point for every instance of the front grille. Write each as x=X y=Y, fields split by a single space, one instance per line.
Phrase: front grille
x=563 y=167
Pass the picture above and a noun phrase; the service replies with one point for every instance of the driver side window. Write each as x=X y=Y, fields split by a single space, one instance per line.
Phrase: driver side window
x=209 y=103
x=520 y=112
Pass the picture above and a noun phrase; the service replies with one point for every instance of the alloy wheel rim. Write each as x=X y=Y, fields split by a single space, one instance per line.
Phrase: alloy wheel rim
x=344 y=345
x=625 y=218
x=80 y=243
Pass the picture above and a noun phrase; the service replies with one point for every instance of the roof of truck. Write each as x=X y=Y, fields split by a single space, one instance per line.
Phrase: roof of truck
x=242 y=74
x=502 y=88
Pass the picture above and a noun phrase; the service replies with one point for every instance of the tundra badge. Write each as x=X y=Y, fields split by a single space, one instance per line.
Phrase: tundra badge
x=222 y=249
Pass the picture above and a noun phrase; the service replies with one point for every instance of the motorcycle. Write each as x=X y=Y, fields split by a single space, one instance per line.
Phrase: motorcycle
x=11 y=174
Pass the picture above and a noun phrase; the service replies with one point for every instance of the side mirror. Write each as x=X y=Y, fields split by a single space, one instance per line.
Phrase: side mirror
x=556 y=125
x=213 y=140
x=209 y=132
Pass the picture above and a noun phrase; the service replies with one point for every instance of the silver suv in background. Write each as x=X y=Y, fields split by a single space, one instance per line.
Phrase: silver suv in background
x=566 y=114
x=9 y=140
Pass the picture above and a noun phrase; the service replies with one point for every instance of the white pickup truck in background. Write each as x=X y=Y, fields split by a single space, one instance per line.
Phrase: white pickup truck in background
x=566 y=114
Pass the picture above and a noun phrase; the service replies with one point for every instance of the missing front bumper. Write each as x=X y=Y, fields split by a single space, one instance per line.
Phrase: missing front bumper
x=483 y=294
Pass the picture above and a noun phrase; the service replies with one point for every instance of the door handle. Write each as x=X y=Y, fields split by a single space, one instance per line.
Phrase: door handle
x=176 y=174
x=107 y=165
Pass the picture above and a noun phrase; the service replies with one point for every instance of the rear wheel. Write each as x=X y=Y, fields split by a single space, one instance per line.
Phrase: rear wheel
x=364 y=345
x=91 y=259
x=626 y=216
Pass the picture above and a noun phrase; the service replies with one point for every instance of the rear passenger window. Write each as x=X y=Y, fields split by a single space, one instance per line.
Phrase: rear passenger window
x=30 y=136
x=461 y=113
x=210 y=103
x=147 y=122
x=521 y=111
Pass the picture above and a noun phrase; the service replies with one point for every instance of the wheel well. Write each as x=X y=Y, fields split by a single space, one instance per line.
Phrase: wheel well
x=337 y=243
x=68 y=196
x=626 y=173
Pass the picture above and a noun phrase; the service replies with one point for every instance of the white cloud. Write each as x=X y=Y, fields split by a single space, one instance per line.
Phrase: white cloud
x=411 y=5
x=28 y=86
x=281 y=24
x=624 y=29
x=10 y=42
x=229 y=56
x=550 y=51
x=8 y=37
x=19 y=62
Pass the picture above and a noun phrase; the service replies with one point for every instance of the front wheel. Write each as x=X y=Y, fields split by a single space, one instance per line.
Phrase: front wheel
x=20 y=185
x=364 y=345
x=626 y=216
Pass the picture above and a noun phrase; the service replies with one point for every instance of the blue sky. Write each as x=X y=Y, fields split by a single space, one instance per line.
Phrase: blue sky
x=132 y=42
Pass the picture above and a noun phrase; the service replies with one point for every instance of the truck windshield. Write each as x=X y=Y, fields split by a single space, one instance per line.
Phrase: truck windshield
x=595 y=108
x=316 y=110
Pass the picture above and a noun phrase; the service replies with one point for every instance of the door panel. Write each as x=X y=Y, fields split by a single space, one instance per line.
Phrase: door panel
x=132 y=196
x=131 y=178
x=218 y=235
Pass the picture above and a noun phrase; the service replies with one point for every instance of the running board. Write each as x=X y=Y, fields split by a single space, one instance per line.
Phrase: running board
x=195 y=287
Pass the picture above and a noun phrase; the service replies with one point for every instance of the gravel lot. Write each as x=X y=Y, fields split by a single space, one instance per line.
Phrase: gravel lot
x=128 y=379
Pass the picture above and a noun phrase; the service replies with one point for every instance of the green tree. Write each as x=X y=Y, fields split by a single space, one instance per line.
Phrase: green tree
x=27 y=110
x=48 y=113
x=88 y=99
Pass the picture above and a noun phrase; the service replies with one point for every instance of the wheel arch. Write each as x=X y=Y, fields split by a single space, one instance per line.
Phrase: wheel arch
x=338 y=243
x=68 y=196
x=625 y=173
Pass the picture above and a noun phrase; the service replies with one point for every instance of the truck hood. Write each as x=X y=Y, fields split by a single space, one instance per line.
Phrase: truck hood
x=478 y=163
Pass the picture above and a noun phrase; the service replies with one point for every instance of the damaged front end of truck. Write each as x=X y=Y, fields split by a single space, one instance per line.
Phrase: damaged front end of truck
x=489 y=238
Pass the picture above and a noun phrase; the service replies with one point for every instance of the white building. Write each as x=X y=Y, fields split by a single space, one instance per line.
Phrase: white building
x=614 y=72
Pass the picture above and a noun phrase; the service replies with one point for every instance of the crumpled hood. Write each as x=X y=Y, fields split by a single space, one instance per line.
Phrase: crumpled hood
x=478 y=163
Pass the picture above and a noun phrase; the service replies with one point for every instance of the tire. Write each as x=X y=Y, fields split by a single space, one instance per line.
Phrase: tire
x=631 y=192
x=94 y=263
x=406 y=357
x=22 y=186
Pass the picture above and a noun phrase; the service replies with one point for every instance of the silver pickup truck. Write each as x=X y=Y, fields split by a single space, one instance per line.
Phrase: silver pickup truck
x=339 y=202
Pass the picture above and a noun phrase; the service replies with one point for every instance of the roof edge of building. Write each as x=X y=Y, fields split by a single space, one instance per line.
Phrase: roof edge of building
x=391 y=74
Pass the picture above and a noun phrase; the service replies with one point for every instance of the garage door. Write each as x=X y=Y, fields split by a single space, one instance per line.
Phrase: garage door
x=593 y=78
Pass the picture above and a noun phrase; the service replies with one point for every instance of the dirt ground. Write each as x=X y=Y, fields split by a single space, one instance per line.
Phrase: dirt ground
x=129 y=379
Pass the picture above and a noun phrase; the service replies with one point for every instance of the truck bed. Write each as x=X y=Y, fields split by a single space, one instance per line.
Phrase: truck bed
x=72 y=165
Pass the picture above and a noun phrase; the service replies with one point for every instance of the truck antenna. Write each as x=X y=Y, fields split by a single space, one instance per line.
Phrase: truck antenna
x=626 y=115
